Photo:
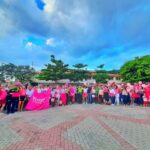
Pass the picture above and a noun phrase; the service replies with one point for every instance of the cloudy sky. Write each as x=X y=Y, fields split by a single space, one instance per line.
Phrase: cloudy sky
x=92 y=32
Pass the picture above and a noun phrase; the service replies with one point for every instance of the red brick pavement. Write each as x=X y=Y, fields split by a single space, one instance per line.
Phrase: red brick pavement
x=52 y=138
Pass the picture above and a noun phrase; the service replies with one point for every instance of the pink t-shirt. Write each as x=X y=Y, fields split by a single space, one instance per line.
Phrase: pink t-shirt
x=105 y=90
x=147 y=93
x=3 y=94
x=72 y=91
x=22 y=92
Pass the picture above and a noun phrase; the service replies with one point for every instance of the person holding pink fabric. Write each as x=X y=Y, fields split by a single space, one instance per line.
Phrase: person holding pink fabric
x=3 y=95
x=22 y=98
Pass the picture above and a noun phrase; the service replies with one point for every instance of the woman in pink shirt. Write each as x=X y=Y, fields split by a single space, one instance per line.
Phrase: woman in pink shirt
x=63 y=96
x=71 y=94
x=147 y=93
x=117 y=95
x=106 y=95
x=85 y=94
x=125 y=95
x=112 y=95
x=136 y=94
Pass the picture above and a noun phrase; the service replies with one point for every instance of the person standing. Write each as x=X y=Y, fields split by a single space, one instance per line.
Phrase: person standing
x=112 y=95
x=72 y=94
x=106 y=95
x=117 y=95
x=53 y=99
x=22 y=98
x=63 y=96
x=136 y=94
x=97 y=93
x=67 y=95
x=3 y=95
x=89 y=90
x=125 y=96
x=29 y=93
x=141 y=92
x=100 y=95
x=85 y=94
x=80 y=92
x=13 y=98
x=93 y=95
x=147 y=93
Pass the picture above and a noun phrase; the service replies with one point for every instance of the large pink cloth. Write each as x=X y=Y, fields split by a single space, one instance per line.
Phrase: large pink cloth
x=39 y=101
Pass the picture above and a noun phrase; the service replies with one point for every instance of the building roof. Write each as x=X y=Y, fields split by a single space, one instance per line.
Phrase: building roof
x=114 y=75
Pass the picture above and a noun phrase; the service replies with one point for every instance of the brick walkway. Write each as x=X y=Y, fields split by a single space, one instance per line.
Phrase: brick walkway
x=77 y=127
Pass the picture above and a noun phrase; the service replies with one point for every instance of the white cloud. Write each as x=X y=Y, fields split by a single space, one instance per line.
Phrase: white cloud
x=49 y=6
x=50 y=42
x=72 y=19
x=29 y=45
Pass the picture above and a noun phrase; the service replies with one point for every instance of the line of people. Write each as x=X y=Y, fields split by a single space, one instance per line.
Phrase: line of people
x=15 y=98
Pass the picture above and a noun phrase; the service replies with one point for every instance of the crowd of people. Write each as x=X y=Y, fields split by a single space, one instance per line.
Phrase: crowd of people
x=15 y=97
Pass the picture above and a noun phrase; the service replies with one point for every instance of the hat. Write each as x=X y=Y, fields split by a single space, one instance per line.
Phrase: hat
x=18 y=83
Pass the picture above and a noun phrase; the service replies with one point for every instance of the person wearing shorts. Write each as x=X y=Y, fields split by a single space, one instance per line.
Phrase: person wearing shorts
x=22 y=98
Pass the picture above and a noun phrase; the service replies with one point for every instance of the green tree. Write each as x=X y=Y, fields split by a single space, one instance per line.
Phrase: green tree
x=100 y=66
x=136 y=70
x=101 y=75
x=24 y=73
x=54 y=71
x=79 y=73
x=114 y=71
x=21 y=73
x=79 y=66
x=2 y=79
x=7 y=71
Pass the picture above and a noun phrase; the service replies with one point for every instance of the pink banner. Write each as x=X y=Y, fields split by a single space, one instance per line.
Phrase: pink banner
x=39 y=101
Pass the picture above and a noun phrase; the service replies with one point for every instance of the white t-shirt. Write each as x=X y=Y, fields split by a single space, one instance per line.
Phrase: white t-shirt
x=29 y=92
x=112 y=91
x=85 y=90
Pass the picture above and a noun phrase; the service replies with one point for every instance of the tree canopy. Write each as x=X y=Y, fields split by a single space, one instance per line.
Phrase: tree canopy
x=136 y=70
x=18 y=72
x=24 y=73
x=132 y=71
x=79 y=73
x=101 y=75
x=55 y=70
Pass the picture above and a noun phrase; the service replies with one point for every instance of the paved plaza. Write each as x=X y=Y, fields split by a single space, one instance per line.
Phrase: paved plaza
x=77 y=127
